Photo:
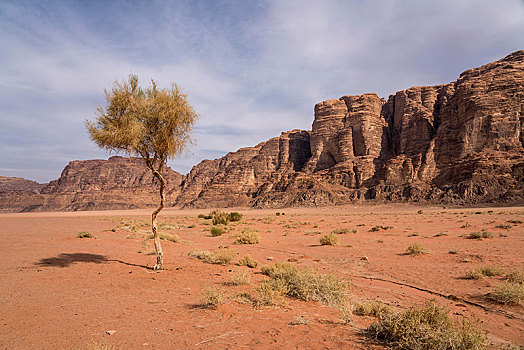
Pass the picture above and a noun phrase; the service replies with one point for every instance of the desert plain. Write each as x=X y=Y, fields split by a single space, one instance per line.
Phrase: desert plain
x=59 y=291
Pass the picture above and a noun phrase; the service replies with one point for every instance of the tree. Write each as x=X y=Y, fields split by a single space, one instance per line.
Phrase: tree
x=151 y=123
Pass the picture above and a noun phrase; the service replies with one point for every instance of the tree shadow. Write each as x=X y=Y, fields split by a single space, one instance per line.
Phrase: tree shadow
x=67 y=259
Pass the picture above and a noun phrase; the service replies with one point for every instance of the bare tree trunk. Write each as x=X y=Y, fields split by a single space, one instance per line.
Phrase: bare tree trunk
x=158 y=248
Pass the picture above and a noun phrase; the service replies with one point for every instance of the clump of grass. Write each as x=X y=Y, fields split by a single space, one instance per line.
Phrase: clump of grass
x=239 y=278
x=212 y=298
x=380 y=227
x=515 y=276
x=217 y=230
x=248 y=261
x=166 y=237
x=419 y=212
x=505 y=227
x=480 y=234
x=234 y=216
x=306 y=284
x=205 y=217
x=416 y=249
x=219 y=217
x=298 y=320
x=372 y=308
x=485 y=271
x=222 y=256
x=440 y=234
x=100 y=346
x=277 y=213
x=427 y=328
x=339 y=231
x=453 y=251
x=248 y=237
x=329 y=239
x=515 y=221
x=84 y=234
x=508 y=293
x=265 y=296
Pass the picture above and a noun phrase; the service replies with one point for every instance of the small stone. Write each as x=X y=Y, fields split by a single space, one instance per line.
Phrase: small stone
x=270 y=258
x=111 y=332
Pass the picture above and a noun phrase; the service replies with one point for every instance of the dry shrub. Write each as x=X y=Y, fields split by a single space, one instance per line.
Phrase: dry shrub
x=100 y=346
x=212 y=298
x=248 y=261
x=84 y=234
x=515 y=276
x=480 y=235
x=219 y=217
x=248 y=237
x=306 y=284
x=234 y=216
x=340 y=231
x=508 y=293
x=166 y=237
x=416 y=249
x=265 y=296
x=372 y=308
x=427 y=328
x=222 y=256
x=329 y=239
x=485 y=271
x=239 y=278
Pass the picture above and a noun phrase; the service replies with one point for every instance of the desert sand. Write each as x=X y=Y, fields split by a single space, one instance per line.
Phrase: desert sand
x=61 y=292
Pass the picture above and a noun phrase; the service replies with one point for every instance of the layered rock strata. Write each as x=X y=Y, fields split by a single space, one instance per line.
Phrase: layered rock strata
x=458 y=143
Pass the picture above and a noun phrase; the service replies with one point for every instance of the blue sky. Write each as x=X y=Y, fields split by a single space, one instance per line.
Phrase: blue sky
x=251 y=68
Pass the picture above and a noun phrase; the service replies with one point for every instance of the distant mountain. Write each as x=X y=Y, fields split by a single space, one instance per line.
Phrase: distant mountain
x=458 y=143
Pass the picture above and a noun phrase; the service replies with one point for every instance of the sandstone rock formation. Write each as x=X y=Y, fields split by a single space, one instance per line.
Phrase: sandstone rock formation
x=457 y=143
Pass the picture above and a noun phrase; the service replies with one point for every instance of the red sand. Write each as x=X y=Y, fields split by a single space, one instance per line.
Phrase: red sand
x=61 y=292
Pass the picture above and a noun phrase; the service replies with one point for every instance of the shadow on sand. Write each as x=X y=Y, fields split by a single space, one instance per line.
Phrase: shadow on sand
x=67 y=259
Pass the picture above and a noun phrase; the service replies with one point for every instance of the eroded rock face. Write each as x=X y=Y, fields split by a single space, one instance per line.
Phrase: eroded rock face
x=458 y=143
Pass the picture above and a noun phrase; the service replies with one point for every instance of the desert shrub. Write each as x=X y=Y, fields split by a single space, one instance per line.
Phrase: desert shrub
x=380 y=227
x=505 y=227
x=515 y=276
x=222 y=256
x=440 y=234
x=416 y=249
x=372 y=308
x=248 y=261
x=329 y=239
x=453 y=251
x=419 y=212
x=340 y=231
x=427 y=328
x=298 y=320
x=212 y=298
x=480 y=235
x=166 y=237
x=217 y=230
x=485 y=271
x=515 y=221
x=248 y=237
x=277 y=213
x=265 y=295
x=84 y=234
x=508 y=293
x=306 y=284
x=219 y=217
x=234 y=216
x=239 y=278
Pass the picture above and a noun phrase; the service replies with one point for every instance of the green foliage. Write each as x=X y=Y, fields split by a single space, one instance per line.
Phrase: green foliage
x=306 y=284
x=329 y=239
x=248 y=261
x=508 y=293
x=427 y=328
x=219 y=217
x=234 y=216
x=217 y=230
x=416 y=249
x=150 y=123
x=248 y=237
x=84 y=234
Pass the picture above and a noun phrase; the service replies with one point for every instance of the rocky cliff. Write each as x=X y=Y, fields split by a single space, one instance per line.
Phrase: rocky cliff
x=457 y=143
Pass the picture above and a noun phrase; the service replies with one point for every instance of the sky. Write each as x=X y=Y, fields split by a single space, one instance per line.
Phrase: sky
x=251 y=69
